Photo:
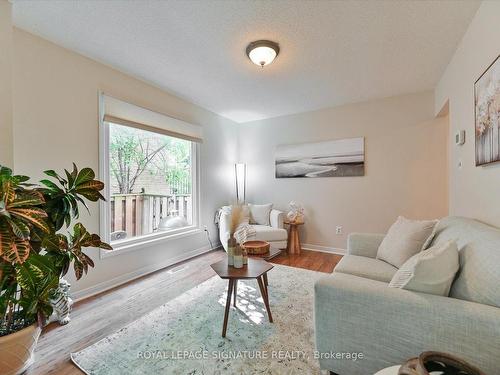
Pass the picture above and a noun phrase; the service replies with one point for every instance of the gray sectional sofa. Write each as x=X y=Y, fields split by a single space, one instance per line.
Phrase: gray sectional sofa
x=356 y=311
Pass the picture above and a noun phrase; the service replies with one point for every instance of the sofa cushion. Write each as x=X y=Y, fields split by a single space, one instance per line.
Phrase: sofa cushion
x=270 y=234
x=478 y=244
x=369 y=268
x=404 y=239
x=431 y=271
x=259 y=213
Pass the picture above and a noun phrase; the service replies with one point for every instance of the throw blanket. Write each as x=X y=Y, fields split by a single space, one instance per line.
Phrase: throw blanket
x=243 y=232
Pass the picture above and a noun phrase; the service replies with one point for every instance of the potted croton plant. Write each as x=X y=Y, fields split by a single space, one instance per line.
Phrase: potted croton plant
x=38 y=244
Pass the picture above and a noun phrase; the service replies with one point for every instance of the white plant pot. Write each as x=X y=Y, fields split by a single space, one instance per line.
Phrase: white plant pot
x=16 y=350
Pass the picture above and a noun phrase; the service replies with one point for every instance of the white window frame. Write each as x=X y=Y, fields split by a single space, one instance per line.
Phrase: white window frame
x=151 y=239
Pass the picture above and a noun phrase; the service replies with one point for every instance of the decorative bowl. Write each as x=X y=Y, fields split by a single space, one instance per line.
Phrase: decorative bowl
x=256 y=247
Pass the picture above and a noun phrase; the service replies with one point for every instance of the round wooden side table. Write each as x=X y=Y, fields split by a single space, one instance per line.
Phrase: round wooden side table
x=293 y=243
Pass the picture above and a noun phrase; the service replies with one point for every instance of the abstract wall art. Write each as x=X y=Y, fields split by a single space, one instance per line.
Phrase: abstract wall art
x=487 y=114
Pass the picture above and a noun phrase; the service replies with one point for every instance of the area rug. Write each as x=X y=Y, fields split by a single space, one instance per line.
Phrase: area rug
x=184 y=335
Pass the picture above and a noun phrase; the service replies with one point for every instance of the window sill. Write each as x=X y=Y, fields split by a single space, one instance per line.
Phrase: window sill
x=136 y=244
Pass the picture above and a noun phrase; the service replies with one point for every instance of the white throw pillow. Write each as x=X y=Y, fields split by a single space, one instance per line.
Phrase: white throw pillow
x=404 y=239
x=431 y=271
x=260 y=213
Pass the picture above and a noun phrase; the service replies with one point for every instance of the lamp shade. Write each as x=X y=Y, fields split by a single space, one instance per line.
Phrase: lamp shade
x=240 y=171
x=262 y=52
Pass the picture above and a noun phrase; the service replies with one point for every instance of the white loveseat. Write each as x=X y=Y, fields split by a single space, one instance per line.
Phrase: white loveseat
x=274 y=233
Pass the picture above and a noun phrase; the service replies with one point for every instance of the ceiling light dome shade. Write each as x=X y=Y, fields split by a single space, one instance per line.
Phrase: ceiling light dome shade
x=262 y=52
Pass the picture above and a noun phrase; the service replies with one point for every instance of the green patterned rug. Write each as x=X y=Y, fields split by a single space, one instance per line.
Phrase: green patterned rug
x=184 y=335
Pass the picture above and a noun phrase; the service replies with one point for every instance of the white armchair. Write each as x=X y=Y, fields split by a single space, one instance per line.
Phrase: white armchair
x=275 y=233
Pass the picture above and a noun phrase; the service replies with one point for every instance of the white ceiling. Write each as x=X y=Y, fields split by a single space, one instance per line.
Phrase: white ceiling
x=332 y=52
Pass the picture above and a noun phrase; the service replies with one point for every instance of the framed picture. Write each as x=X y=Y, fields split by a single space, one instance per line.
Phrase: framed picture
x=337 y=158
x=487 y=115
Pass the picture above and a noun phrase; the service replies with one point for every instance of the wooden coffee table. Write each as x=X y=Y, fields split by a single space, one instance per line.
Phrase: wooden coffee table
x=255 y=269
x=273 y=252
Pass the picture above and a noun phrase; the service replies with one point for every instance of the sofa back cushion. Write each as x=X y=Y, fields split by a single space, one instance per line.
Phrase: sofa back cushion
x=478 y=279
x=260 y=213
x=404 y=239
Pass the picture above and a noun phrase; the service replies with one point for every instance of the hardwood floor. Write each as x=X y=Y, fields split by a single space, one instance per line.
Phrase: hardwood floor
x=100 y=316
x=311 y=260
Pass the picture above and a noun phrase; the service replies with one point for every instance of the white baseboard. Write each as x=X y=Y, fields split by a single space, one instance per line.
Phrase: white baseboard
x=122 y=279
x=323 y=249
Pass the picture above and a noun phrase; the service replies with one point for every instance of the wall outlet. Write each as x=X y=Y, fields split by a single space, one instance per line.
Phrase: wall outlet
x=205 y=228
x=338 y=230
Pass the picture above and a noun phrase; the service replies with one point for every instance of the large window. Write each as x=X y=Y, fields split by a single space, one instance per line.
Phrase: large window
x=150 y=182
x=148 y=164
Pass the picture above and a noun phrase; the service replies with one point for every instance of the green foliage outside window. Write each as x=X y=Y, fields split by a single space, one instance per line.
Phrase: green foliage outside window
x=134 y=152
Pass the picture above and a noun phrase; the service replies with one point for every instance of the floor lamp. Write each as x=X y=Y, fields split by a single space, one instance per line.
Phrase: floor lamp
x=240 y=172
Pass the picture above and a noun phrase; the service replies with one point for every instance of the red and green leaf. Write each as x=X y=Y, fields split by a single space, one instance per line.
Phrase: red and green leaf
x=53 y=188
x=18 y=180
x=5 y=239
x=63 y=242
x=51 y=242
x=33 y=215
x=9 y=192
x=85 y=175
x=13 y=249
x=91 y=185
x=78 y=267
x=88 y=260
x=90 y=194
x=27 y=198
x=52 y=173
x=71 y=176
x=20 y=229
x=105 y=246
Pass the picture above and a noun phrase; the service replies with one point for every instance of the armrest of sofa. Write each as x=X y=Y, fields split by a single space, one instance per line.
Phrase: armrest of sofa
x=224 y=225
x=277 y=219
x=391 y=325
x=364 y=244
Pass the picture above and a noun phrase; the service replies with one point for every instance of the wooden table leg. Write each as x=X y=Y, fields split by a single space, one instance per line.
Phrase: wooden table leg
x=228 y=304
x=264 y=278
x=266 y=283
x=293 y=240
x=265 y=297
x=288 y=239
x=235 y=291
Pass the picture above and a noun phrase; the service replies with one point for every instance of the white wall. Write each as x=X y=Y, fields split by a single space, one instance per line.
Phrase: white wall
x=55 y=116
x=406 y=166
x=6 y=156
x=56 y=123
x=474 y=191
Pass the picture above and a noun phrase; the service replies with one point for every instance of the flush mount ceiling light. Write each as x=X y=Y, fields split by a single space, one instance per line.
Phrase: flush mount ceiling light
x=262 y=52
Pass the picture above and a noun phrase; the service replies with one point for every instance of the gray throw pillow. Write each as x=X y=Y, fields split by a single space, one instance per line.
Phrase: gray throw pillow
x=431 y=271
x=404 y=239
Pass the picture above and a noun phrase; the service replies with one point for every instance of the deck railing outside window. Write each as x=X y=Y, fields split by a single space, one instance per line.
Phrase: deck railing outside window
x=140 y=214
